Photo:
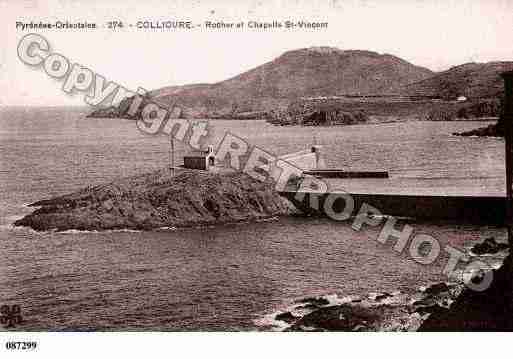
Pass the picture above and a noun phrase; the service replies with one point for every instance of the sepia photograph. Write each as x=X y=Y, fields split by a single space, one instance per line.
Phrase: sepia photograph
x=255 y=166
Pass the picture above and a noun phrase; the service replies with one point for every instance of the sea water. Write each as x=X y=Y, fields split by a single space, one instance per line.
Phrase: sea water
x=225 y=277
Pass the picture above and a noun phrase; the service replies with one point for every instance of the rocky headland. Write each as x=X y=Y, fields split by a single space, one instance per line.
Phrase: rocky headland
x=329 y=111
x=159 y=199
x=317 y=113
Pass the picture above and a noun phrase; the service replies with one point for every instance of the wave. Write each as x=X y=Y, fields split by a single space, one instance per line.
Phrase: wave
x=500 y=254
x=270 y=321
x=80 y=231
x=29 y=205
x=167 y=229
x=398 y=311
x=222 y=224
x=13 y=218
x=10 y=226
x=270 y=219
x=8 y=221
x=299 y=308
x=13 y=228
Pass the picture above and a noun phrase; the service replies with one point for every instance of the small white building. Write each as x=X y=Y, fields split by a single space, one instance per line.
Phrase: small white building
x=200 y=160
x=461 y=99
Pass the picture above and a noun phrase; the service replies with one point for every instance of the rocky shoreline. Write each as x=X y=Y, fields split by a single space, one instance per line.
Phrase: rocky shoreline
x=121 y=112
x=343 y=111
x=437 y=307
x=159 y=199
x=494 y=130
x=374 y=312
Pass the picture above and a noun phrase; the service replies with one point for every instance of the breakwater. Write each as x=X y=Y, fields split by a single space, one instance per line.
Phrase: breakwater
x=470 y=209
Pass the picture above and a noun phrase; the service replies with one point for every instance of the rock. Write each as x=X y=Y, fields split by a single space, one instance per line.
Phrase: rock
x=494 y=130
x=383 y=296
x=308 y=306
x=109 y=112
x=108 y=205
x=424 y=302
x=359 y=328
x=487 y=310
x=317 y=112
x=434 y=308
x=286 y=317
x=315 y=301
x=324 y=113
x=336 y=318
x=159 y=199
x=489 y=246
x=371 y=313
x=437 y=288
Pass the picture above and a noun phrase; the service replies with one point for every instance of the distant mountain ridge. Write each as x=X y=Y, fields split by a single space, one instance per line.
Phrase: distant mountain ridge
x=325 y=71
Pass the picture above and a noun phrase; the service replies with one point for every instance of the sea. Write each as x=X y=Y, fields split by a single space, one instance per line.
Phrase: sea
x=219 y=278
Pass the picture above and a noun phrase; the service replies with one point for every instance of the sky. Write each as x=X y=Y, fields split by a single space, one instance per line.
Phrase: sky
x=430 y=33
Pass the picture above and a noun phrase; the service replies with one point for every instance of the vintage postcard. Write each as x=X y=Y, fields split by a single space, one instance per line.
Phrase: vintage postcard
x=254 y=166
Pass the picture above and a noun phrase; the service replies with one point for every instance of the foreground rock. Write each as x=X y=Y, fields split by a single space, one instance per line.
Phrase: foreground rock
x=376 y=312
x=488 y=310
x=157 y=199
x=439 y=307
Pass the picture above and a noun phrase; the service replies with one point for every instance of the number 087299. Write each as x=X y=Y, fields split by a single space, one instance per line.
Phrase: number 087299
x=20 y=345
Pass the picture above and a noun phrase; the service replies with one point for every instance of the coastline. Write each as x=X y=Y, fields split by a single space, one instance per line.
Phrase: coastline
x=377 y=311
x=493 y=130
x=441 y=306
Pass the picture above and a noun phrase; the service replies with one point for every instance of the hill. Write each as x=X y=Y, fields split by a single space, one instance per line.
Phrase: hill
x=299 y=73
x=308 y=72
x=472 y=80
